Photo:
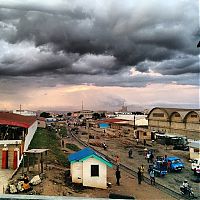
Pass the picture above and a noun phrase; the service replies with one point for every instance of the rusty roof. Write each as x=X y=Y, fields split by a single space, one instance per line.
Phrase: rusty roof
x=12 y=119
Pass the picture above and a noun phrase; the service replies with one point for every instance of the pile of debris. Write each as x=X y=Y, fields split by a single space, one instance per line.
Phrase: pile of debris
x=16 y=186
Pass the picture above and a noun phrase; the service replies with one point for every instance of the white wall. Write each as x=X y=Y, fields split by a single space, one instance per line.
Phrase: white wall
x=99 y=182
x=194 y=155
x=29 y=136
x=77 y=172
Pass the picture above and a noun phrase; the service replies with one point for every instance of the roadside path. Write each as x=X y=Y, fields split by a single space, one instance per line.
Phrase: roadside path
x=5 y=175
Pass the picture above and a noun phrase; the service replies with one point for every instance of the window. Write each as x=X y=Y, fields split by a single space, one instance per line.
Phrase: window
x=196 y=150
x=158 y=114
x=193 y=116
x=176 y=115
x=94 y=170
x=144 y=134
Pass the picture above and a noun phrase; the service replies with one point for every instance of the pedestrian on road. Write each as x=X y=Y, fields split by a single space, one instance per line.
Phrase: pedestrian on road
x=151 y=157
x=137 y=140
x=118 y=175
x=152 y=177
x=142 y=171
x=139 y=176
x=117 y=160
x=168 y=166
x=130 y=153
x=145 y=142
x=148 y=157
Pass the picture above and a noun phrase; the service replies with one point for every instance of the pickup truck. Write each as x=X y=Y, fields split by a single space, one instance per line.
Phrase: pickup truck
x=175 y=163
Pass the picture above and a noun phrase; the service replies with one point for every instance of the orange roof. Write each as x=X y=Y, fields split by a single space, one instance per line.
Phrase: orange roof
x=16 y=120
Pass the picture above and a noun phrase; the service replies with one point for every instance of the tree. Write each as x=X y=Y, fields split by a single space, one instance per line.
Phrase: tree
x=80 y=116
x=45 y=115
x=96 y=116
x=69 y=114
x=103 y=115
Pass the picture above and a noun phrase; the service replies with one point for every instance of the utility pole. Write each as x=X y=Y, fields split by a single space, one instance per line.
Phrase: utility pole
x=20 y=108
x=82 y=105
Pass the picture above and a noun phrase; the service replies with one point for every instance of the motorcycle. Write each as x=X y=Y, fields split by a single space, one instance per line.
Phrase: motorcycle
x=186 y=191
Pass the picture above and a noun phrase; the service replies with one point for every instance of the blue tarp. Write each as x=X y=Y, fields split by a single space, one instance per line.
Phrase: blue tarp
x=103 y=125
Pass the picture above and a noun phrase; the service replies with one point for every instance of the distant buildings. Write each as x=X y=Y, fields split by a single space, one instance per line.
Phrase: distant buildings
x=24 y=112
x=87 y=114
x=41 y=122
x=175 y=121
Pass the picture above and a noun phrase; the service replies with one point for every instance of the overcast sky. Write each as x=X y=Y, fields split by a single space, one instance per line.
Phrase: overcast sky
x=56 y=53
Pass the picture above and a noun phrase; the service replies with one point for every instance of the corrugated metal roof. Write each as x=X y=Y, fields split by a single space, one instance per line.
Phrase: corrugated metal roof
x=79 y=155
x=16 y=120
x=195 y=144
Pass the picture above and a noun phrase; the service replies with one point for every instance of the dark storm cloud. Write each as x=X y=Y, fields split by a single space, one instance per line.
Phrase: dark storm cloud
x=85 y=40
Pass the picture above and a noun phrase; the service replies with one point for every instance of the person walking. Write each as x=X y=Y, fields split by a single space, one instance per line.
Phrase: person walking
x=152 y=177
x=137 y=140
x=117 y=160
x=118 y=175
x=145 y=142
x=142 y=171
x=139 y=176
x=151 y=157
x=148 y=156
x=130 y=153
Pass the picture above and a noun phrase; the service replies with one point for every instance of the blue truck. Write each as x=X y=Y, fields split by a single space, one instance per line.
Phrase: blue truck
x=159 y=167
x=174 y=163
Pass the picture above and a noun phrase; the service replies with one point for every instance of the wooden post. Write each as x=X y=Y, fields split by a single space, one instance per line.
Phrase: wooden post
x=41 y=161
x=33 y=161
x=38 y=163
x=46 y=158
x=28 y=162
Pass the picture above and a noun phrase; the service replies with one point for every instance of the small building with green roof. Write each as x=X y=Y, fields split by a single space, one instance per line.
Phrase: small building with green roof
x=89 y=168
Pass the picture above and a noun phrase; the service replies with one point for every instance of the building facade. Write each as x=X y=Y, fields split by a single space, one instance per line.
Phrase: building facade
x=16 y=133
x=175 y=121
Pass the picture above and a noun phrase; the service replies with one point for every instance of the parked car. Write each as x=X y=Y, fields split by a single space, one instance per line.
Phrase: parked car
x=175 y=163
x=160 y=168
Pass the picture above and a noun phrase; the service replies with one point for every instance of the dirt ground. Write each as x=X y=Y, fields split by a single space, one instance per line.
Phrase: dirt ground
x=54 y=184
x=120 y=146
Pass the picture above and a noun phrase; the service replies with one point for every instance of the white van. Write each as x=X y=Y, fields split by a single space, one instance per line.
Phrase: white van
x=195 y=163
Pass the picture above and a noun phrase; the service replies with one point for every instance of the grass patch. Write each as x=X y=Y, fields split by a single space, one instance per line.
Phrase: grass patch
x=47 y=139
x=63 y=132
x=73 y=147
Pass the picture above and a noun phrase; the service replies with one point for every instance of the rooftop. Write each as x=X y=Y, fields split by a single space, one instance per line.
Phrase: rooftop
x=87 y=153
x=12 y=119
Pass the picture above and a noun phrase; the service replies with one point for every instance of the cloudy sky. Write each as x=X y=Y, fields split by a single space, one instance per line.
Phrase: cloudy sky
x=56 y=53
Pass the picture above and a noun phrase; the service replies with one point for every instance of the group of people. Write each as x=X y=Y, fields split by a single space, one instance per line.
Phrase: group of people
x=149 y=157
x=140 y=174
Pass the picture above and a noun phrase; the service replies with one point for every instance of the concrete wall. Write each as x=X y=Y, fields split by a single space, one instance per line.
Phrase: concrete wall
x=31 y=131
x=101 y=180
x=77 y=172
